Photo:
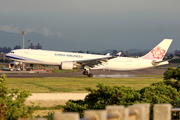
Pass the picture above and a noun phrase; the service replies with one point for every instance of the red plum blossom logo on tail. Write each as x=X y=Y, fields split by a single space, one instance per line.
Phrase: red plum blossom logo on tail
x=158 y=53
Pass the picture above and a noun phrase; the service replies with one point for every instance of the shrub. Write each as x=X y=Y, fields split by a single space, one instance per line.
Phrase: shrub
x=177 y=73
x=172 y=77
x=169 y=73
x=159 y=93
x=111 y=95
x=103 y=96
x=121 y=95
x=12 y=101
x=75 y=106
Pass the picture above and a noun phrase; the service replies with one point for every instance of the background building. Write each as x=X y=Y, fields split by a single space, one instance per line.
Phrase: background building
x=38 y=46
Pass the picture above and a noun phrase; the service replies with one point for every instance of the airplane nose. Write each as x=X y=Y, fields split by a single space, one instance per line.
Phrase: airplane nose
x=7 y=55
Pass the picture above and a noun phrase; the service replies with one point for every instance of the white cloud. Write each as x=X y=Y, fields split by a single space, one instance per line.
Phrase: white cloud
x=14 y=29
x=9 y=28
x=45 y=31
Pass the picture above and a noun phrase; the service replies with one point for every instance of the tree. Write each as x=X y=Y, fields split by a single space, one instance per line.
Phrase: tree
x=120 y=95
x=111 y=95
x=169 y=73
x=102 y=96
x=12 y=101
x=172 y=73
x=159 y=93
x=172 y=77
x=177 y=73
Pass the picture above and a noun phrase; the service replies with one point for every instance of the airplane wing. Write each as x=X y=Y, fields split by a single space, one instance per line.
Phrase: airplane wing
x=93 y=62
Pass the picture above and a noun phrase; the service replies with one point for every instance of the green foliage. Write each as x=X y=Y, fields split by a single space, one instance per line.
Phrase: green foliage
x=159 y=93
x=176 y=104
x=173 y=83
x=121 y=95
x=12 y=101
x=50 y=116
x=169 y=73
x=172 y=77
x=76 y=84
x=177 y=73
x=75 y=106
x=111 y=95
x=172 y=73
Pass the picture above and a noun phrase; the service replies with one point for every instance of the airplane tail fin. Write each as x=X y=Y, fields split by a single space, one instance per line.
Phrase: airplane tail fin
x=158 y=52
x=118 y=54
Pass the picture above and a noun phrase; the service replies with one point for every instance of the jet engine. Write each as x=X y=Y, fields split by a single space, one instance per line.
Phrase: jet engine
x=67 y=65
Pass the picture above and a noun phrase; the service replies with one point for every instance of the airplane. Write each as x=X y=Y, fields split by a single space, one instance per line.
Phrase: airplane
x=70 y=60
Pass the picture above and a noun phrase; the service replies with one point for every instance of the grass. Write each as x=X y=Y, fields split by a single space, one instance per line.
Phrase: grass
x=53 y=85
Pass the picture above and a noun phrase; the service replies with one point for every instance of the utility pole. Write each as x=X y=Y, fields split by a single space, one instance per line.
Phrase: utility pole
x=23 y=33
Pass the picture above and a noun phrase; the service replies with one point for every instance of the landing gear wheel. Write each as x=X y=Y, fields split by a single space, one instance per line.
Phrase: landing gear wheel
x=90 y=75
x=85 y=72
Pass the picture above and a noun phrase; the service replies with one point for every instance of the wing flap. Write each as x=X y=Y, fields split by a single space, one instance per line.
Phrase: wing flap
x=93 y=62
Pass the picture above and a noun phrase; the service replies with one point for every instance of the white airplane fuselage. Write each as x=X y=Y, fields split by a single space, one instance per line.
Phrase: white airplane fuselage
x=70 y=60
x=55 y=58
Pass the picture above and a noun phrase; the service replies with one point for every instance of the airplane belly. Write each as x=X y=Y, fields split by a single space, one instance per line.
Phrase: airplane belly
x=127 y=65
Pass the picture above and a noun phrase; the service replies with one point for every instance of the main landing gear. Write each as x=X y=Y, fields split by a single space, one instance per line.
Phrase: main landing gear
x=87 y=72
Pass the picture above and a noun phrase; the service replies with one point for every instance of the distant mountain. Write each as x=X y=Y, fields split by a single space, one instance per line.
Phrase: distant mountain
x=110 y=51
x=10 y=39
x=137 y=50
x=101 y=52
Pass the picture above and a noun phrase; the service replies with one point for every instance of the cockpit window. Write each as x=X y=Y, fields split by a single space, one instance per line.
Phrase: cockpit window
x=12 y=52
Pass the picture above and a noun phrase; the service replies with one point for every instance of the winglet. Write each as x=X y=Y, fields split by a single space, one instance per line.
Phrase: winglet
x=158 y=52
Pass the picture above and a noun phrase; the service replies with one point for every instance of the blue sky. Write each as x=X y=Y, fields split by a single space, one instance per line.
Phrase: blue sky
x=91 y=24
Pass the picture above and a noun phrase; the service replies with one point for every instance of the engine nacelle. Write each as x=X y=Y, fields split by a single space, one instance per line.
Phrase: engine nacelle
x=67 y=65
